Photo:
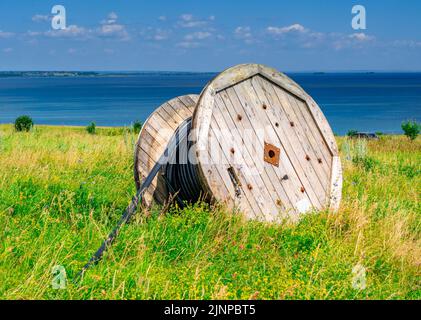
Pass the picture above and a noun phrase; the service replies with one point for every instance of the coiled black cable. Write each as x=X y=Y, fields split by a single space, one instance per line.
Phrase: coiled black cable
x=180 y=172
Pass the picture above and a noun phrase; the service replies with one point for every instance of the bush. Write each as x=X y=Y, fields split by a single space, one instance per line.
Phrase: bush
x=91 y=128
x=137 y=126
x=352 y=133
x=23 y=123
x=411 y=129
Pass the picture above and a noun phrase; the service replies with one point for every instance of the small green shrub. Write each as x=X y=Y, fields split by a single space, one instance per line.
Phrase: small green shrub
x=411 y=129
x=23 y=123
x=137 y=126
x=352 y=133
x=91 y=128
x=366 y=163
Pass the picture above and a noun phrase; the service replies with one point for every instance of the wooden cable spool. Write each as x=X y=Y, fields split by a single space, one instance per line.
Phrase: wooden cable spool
x=260 y=143
x=153 y=139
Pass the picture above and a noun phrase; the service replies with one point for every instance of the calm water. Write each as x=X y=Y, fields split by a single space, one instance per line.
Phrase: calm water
x=365 y=102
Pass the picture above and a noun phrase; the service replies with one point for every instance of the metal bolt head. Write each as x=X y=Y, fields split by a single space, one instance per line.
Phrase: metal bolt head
x=303 y=189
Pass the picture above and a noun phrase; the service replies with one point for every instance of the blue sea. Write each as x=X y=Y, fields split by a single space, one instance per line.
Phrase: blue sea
x=362 y=101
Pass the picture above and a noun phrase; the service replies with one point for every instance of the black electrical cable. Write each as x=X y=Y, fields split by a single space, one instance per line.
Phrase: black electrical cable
x=180 y=174
x=181 y=170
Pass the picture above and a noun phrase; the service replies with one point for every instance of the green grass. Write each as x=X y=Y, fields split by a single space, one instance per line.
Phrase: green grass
x=62 y=190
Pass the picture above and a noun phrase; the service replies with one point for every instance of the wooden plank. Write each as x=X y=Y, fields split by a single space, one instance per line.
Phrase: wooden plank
x=217 y=186
x=288 y=103
x=323 y=125
x=174 y=116
x=300 y=115
x=293 y=148
x=233 y=76
x=318 y=182
x=273 y=186
x=336 y=184
x=317 y=141
x=250 y=206
x=223 y=122
x=262 y=116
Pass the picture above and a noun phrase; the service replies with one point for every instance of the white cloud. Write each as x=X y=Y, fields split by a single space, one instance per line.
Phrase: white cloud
x=4 y=34
x=301 y=37
x=40 y=18
x=111 y=18
x=187 y=17
x=197 y=36
x=111 y=29
x=188 y=45
x=355 y=40
x=407 y=43
x=162 y=18
x=283 y=30
x=7 y=50
x=72 y=31
x=33 y=33
x=108 y=28
x=161 y=35
x=155 y=34
x=360 y=37
x=194 y=40
x=244 y=33
x=187 y=20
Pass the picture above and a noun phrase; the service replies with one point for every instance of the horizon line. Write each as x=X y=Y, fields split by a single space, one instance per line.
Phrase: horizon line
x=217 y=71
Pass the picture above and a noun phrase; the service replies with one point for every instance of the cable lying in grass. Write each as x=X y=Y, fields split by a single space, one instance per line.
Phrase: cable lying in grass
x=171 y=150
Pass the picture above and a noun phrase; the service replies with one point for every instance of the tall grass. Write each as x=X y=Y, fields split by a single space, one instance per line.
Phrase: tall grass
x=62 y=190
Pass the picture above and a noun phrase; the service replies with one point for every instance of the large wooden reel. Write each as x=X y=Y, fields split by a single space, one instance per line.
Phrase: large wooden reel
x=153 y=139
x=263 y=145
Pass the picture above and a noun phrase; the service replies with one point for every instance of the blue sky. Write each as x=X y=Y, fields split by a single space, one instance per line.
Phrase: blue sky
x=200 y=35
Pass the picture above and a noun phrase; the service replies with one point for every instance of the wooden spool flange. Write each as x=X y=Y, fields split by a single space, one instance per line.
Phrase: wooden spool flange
x=153 y=139
x=263 y=145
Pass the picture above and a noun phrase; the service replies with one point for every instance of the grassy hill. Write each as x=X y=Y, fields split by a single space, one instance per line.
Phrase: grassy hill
x=62 y=190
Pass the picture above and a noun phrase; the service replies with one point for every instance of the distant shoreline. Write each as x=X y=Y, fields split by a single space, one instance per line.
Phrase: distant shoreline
x=55 y=126
x=93 y=74
x=90 y=74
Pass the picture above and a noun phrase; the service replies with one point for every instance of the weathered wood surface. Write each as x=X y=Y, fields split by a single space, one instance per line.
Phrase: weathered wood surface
x=153 y=139
x=239 y=112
